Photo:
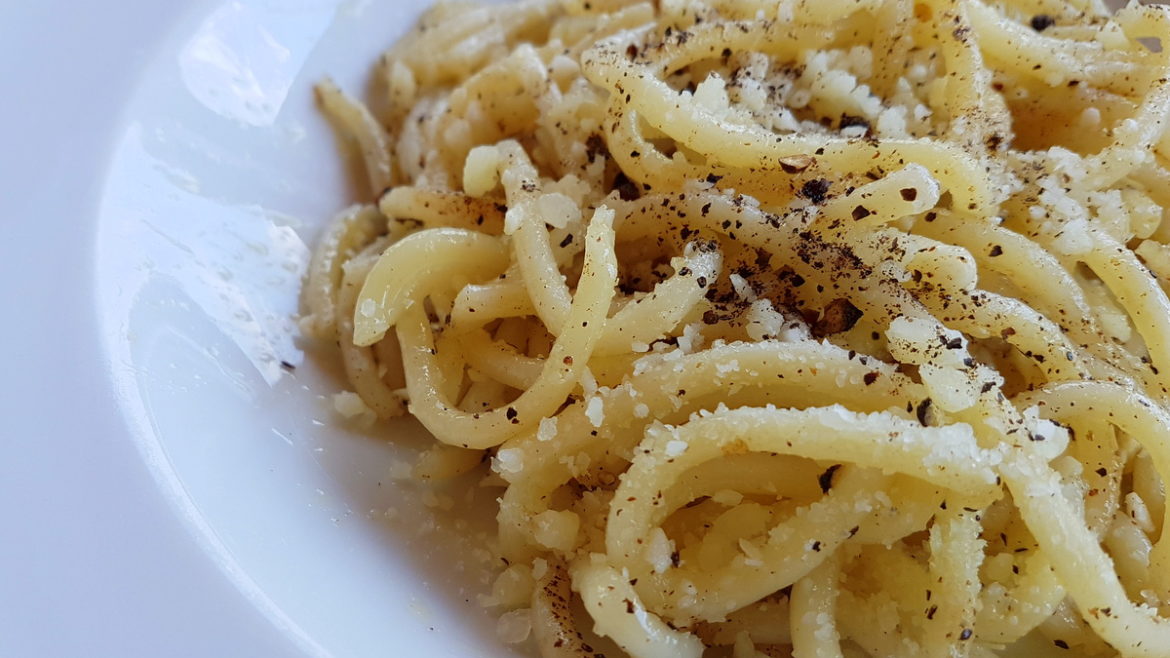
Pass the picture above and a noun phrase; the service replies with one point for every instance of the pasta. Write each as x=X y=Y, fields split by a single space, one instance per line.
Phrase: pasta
x=819 y=329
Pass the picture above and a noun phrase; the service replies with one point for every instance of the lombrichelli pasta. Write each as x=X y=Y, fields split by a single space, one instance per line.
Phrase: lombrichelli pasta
x=832 y=328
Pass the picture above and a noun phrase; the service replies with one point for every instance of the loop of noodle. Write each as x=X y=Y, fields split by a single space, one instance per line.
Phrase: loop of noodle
x=798 y=328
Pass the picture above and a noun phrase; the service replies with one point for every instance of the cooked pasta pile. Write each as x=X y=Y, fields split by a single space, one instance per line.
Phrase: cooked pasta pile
x=812 y=328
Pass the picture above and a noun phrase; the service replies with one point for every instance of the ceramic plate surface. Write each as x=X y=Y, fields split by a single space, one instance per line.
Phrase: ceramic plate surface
x=176 y=482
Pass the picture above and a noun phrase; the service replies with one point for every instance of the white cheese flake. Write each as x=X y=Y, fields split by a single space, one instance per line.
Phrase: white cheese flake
x=595 y=411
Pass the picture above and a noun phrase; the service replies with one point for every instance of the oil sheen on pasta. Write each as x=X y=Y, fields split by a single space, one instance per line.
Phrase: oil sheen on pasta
x=812 y=328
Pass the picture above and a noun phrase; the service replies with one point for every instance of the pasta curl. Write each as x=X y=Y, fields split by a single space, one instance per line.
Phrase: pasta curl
x=782 y=327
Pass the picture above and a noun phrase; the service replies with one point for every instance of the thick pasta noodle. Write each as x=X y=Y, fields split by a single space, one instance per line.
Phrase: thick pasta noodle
x=828 y=328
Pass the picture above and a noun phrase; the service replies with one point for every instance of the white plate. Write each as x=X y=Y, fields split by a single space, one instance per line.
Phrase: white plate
x=168 y=487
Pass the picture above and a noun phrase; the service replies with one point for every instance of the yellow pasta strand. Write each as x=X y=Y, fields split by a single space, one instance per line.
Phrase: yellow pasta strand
x=792 y=328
